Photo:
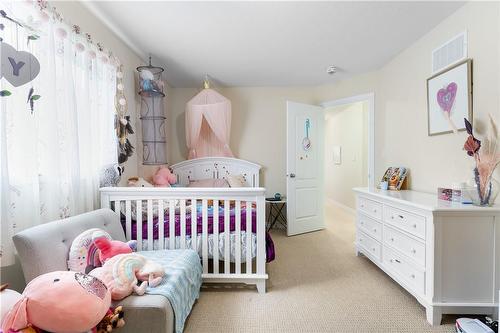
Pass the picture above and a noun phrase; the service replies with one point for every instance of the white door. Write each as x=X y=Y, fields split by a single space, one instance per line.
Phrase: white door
x=304 y=184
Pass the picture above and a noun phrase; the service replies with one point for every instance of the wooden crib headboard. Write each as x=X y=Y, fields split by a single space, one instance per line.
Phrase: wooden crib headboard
x=216 y=167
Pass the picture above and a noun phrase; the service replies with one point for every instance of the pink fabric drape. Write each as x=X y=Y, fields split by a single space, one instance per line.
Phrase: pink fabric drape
x=208 y=125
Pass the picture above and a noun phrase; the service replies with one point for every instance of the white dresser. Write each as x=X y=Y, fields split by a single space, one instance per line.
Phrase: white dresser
x=447 y=255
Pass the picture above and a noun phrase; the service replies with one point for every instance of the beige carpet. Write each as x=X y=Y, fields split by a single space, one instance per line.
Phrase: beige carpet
x=316 y=284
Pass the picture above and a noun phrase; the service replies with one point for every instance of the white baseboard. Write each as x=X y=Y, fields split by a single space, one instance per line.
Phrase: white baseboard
x=341 y=205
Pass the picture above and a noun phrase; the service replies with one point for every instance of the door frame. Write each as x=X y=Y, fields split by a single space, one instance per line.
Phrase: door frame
x=370 y=99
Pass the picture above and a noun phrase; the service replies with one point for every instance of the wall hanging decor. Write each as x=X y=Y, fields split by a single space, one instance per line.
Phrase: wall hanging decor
x=449 y=99
x=151 y=90
x=122 y=120
x=208 y=124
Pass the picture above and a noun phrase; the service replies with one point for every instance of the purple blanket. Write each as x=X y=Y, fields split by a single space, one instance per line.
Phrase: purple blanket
x=270 y=254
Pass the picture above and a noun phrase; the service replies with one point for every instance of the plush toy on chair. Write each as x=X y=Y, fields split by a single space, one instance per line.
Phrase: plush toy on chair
x=61 y=301
x=164 y=177
x=127 y=273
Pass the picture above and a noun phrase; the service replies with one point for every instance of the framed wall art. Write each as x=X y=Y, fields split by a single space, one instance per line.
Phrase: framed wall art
x=449 y=99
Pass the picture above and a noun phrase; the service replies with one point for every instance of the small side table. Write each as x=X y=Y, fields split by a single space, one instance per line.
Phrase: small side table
x=276 y=213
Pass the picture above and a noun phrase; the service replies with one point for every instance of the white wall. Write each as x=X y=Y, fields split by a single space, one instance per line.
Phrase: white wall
x=401 y=100
x=346 y=126
x=258 y=131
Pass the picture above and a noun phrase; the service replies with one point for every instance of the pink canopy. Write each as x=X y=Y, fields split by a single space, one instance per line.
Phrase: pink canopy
x=208 y=125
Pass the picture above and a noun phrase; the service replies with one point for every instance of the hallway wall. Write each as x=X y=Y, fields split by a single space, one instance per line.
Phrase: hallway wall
x=347 y=127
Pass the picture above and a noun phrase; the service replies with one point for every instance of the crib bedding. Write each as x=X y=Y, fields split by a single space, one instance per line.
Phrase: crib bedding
x=270 y=252
x=214 y=246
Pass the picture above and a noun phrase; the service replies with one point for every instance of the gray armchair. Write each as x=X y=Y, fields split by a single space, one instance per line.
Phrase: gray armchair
x=45 y=248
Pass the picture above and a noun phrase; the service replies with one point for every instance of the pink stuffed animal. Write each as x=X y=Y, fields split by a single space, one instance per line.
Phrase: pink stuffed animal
x=109 y=248
x=61 y=301
x=122 y=273
x=164 y=177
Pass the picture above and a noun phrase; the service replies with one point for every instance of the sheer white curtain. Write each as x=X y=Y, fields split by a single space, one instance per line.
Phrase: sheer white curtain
x=51 y=158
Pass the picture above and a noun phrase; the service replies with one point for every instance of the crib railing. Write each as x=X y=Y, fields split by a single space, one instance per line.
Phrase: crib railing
x=152 y=203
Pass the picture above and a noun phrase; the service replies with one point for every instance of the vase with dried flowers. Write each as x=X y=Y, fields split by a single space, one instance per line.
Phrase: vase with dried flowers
x=486 y=159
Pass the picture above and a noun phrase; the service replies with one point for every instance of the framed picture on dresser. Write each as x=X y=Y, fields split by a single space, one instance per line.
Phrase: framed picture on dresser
x=449 y=99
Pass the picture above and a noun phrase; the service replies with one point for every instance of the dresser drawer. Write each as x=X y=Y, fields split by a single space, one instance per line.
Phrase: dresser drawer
x=370 y=226
x=370 y=207
x=410 y=247
x=397 y=264
x=414 y=224
x=370 y=245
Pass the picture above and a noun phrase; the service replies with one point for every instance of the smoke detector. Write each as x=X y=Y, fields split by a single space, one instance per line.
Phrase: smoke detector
x=331 y=70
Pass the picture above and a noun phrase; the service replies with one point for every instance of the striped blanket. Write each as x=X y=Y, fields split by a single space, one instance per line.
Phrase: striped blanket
x=181 y=283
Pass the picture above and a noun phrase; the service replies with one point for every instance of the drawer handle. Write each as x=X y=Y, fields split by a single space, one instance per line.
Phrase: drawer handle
x=362 y=206
x=374 y=210
x=396 y=260
x=392 y=239
x=415 y=226
x=374 y=229
x=413 y=251
x=362 y=223
x=373 y=249
x=412 y=276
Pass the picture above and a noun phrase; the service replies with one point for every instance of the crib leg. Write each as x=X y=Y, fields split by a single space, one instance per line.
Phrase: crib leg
x=261 y=287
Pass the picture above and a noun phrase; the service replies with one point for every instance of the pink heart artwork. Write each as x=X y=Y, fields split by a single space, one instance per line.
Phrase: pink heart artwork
x=446 y=97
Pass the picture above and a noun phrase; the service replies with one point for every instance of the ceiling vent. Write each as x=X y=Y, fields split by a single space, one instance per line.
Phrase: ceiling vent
x=450 y=53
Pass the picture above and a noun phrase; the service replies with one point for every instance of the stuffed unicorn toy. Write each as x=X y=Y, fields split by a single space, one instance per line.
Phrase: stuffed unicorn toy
x=122 y=273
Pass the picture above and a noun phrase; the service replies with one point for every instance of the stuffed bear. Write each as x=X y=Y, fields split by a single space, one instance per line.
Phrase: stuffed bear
x=164 y=177
x=138 y=182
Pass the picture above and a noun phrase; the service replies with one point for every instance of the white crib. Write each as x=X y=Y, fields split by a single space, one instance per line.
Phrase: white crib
x=145 y=204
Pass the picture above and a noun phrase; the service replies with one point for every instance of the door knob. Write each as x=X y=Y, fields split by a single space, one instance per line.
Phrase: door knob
x=292 y=175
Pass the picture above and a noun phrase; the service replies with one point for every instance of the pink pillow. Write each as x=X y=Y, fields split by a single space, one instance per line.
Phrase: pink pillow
x=212 y=182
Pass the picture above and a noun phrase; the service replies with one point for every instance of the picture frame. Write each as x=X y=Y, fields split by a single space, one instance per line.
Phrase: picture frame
x=449 y=99
x=337 y=155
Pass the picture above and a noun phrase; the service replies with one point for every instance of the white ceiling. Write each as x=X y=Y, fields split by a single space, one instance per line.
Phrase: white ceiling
x=269 y=43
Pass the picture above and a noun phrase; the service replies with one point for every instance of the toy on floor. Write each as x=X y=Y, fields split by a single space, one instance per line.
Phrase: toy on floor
x=164 y=177
x=60 y=301
x=109 y=248
x=123 y=272
x=112 y=320
x=138 y=182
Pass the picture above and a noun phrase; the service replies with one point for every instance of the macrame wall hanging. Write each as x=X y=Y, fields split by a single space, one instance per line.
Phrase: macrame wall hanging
x=122 y=120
